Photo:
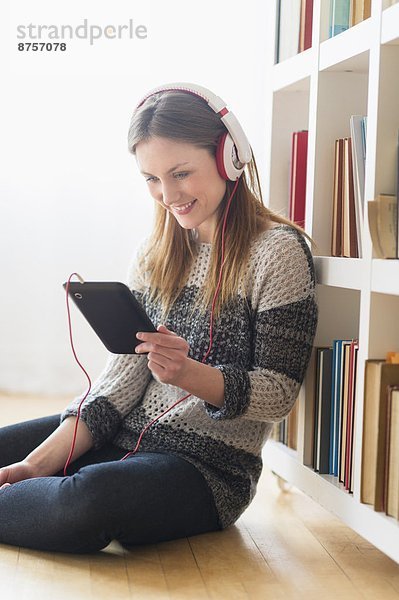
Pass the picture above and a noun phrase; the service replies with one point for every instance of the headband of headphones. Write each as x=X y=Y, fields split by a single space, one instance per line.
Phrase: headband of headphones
x=233 y=151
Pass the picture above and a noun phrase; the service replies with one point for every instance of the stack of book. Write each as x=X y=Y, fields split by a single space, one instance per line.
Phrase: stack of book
x=333 y=410
x=293 y=27
x=346 y=13
x=380 y=447
x=348 y=190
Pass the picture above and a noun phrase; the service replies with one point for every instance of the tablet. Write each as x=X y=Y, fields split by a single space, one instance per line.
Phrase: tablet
x=112 y=311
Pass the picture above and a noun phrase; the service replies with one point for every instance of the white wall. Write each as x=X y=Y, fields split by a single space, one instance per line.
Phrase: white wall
x=70 y=196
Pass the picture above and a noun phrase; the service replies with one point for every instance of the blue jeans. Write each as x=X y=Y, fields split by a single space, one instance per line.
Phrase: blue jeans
x=149 y=497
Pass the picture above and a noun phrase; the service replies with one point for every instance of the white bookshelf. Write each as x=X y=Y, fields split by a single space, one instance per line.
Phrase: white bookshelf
x=356 y=72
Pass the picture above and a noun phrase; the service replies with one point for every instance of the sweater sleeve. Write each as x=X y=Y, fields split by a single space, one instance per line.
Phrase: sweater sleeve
x=285 y=315
x=121 y=384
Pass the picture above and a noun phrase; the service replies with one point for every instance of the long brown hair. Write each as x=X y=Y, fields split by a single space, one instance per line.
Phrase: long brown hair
x=187 y=118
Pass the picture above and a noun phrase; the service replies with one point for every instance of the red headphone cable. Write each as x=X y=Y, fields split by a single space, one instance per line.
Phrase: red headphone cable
x=203 y=360
x=83 y=369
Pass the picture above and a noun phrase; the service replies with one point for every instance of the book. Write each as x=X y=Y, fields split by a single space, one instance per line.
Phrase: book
x=335 y=407
x=357 y=128
x=305 y=30
x=350 y=248
x=336 y=237
x=297 y=201
x=350 y=427
x=343 y=401
x=386 y=224
x=276 y=49
x=391 y=495
x=286 y=431
x=382 y=216
x=292 y=427
x=360 y=10
x=353 y=228
x=397 y=198
x=289 y=13
x=342 y=410
x=309 y=417
x=344 y=236
x=322 y=410
x=378 y=375
x=339 y=16
x=336 y=404
x=372 y=207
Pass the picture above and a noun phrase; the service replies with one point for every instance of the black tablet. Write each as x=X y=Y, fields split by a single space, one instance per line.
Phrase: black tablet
x=112 y=311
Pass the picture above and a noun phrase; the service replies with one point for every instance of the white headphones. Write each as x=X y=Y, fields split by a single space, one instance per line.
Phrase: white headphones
x=233 y=151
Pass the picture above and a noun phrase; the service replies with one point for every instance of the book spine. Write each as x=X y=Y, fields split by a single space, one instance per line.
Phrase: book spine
x=397 y=198
x=297 y=203
x=333 y=409
x=340 y=13
x=289 y=28
x=308 y=24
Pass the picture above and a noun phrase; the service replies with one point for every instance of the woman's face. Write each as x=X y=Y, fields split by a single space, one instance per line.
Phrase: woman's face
x=184 y=179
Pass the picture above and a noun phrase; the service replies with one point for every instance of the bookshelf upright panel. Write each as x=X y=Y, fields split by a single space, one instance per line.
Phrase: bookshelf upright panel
x=356 y=72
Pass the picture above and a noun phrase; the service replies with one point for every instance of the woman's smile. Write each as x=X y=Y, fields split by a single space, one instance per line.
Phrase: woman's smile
x=184 y=209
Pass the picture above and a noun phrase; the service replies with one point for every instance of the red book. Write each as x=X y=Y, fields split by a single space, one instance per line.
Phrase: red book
x=305 y=40
x=299 y=155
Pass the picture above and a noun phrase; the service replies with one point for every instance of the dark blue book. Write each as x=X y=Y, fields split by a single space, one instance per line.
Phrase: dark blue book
x=323 y=409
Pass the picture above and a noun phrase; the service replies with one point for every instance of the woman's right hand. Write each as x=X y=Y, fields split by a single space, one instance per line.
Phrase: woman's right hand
x=16 y=472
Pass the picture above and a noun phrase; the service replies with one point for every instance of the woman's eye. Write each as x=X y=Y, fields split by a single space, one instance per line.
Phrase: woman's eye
x=152 y=178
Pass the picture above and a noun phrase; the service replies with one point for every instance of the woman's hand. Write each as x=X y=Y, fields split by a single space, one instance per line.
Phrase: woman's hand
x=167 y=354
x=50 y=456
x=16 y=472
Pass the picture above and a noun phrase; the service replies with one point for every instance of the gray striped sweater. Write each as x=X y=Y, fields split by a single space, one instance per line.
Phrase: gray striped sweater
x=262 y=345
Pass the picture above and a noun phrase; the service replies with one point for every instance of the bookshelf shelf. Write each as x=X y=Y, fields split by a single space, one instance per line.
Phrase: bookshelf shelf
x=290 y=72
x=347 y=48
x=341 y=272
x=389 y=25
x=385 y=276
x=353 y=73
x=380 y=530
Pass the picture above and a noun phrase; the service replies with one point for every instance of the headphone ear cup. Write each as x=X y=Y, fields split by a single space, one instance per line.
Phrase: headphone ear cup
x=225 y=152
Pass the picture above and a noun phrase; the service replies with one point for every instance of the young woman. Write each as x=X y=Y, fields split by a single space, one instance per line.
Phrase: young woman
x=231 y=288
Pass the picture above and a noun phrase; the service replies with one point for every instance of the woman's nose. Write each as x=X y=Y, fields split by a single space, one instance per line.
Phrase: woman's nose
x=169 y=194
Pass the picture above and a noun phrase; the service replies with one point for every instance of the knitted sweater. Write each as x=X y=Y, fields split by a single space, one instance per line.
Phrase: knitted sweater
x=261 y=344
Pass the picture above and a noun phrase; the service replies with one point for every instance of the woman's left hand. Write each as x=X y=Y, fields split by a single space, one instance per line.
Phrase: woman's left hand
x=167 y=354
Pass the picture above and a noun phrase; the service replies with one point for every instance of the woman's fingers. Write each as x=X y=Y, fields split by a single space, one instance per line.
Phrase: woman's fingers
x=4 y=474
x=163 y=338
x=164 y=329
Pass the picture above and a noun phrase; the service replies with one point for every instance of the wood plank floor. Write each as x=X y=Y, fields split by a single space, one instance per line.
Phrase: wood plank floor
x=284 y=546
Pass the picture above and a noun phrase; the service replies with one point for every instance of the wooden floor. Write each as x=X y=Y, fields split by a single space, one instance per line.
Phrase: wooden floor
x=284 y=546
